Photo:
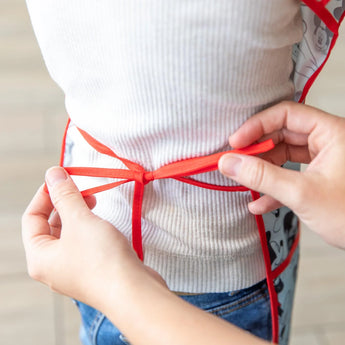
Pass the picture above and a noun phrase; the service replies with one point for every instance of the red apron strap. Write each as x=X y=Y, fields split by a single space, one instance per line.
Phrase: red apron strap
x=187 y=167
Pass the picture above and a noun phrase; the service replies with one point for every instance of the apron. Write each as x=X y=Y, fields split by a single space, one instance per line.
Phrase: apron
x=278 y=230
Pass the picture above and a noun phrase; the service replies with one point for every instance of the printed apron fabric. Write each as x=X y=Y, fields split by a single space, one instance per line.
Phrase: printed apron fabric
x=321 y=22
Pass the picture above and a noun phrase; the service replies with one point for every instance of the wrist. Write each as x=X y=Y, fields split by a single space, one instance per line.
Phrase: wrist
x=130 y=292
x=118 y=279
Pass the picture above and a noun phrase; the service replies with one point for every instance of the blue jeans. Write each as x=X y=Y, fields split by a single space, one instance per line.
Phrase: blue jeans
x=248 y=308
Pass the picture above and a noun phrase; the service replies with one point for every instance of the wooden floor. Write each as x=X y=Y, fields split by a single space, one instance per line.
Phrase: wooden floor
x=32 y=118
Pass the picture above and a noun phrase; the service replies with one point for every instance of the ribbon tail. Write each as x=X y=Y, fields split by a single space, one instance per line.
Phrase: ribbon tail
x=136 y=219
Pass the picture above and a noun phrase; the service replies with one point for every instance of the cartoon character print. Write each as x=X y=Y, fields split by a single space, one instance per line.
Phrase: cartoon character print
x=282 y=225
x=338 y=11
x=290 y=228
x=281 y=231
x=322 y=35
x=285 y=289
x=279 y=287
x=274 y=242
x=276 y=214
x=276 y=250
x=309 y=54
x=285 y=315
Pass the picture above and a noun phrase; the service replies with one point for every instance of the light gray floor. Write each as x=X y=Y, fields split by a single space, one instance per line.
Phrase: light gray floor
x=32 y=118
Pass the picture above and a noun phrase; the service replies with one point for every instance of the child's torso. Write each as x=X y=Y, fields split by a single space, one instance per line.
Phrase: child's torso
x=159 y=81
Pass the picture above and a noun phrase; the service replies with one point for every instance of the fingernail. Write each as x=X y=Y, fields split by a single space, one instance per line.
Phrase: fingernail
x=55 y=175
x=230 y=165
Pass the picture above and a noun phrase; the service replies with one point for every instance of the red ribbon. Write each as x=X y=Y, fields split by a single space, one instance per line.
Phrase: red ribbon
x=179 y=170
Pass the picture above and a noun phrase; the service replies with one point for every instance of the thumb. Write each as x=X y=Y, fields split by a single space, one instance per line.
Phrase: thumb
x=64 y=194
x=264 y=177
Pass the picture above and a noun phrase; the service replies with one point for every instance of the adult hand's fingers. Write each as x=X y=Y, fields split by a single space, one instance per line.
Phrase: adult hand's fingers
x=36 y=234
x=90 y=201
x=55 y=224
x=281 y=184
x=282 y=153
x=64 y=194
x=35 y=217
x=286 y=136
x=289 y=121
x=55 y=220
x=264 y=204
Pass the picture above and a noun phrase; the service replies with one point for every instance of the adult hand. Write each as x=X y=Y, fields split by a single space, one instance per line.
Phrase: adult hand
x=82 y=256
x=72 y=250
x=301 y=134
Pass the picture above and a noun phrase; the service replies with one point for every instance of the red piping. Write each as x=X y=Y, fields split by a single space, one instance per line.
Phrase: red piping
x=280 y=269
x=319 y=9
x=269 y=278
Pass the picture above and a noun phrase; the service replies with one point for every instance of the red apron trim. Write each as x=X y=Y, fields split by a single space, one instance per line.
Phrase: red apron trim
x=320 y=10
x=63 y=145
x=179 y=170
x=269 y=277
x=324 y=2
x=311 y=80
x=280 y=269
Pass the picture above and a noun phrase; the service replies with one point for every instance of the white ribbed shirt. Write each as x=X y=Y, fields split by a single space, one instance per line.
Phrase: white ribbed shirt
x=160 y=81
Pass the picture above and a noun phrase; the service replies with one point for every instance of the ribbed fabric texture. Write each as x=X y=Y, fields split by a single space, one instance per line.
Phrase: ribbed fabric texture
x=160 y=81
